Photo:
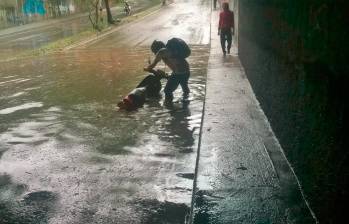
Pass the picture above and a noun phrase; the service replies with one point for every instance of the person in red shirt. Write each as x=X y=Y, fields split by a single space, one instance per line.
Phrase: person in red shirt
x=226 y=27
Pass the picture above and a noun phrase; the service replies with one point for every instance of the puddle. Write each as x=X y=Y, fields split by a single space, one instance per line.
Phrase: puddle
x=163 y=212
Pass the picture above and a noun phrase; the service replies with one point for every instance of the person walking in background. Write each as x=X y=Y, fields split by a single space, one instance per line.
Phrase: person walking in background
x=226 y=27
x=214 y=4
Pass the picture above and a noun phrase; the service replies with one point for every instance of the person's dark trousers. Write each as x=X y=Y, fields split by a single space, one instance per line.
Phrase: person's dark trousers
x=226 y=35
x=173 y=81
x=214 y=4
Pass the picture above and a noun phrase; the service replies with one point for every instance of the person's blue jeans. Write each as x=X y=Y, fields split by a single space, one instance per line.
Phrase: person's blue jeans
x=173 y=81
x=226 y=35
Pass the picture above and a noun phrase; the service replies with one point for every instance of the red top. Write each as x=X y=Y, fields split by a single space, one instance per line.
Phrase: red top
x=226 y=19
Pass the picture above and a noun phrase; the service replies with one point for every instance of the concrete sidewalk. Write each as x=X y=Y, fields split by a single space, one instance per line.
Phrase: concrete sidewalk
x=242 y=174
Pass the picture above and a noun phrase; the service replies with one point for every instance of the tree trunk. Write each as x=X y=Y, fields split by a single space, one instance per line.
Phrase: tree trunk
x=109 y=16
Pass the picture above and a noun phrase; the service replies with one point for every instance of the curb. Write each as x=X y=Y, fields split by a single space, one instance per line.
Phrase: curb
x=196 y=171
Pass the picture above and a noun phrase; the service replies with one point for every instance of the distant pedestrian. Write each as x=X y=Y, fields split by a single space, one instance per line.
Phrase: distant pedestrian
x=226 y=27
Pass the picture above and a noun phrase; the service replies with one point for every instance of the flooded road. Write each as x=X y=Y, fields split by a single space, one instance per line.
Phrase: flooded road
x=62 y=135
x=68 y=155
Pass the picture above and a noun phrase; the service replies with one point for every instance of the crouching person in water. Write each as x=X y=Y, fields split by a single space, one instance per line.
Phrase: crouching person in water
x=150 y=86
x=173 y=56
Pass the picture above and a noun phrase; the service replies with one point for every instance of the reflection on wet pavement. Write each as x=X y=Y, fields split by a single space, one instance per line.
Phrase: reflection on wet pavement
x=35 y=207
x=63 y=139
x=20 y=107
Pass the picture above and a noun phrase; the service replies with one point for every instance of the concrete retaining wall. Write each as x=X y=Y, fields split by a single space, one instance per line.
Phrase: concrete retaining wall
x=294 y=54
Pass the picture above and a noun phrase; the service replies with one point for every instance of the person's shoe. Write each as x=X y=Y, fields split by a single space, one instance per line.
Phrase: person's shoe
x=168 y=99
x=185 y=95
x=224 y=53
x=168 y=103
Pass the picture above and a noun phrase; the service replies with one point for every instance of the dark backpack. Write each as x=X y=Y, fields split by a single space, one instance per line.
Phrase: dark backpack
x=178 y=48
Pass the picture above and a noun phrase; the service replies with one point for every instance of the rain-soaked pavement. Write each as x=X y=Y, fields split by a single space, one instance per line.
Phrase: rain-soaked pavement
x=67 y=155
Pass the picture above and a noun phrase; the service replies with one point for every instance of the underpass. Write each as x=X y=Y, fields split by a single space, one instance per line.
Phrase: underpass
x=64 y=142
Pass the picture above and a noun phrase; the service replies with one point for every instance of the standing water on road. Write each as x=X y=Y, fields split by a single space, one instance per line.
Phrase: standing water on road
x=68 y=155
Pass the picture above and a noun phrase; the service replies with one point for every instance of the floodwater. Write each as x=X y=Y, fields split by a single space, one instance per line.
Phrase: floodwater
x=68 y=155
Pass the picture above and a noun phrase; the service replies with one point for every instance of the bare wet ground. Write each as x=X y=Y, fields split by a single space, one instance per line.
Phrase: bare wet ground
x=69 y=156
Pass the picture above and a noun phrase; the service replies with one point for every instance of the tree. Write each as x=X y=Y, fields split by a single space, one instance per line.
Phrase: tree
x=109 y=16
x=95 y=14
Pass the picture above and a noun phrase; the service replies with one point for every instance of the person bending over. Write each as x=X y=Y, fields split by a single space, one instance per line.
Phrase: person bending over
x=173 y=54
